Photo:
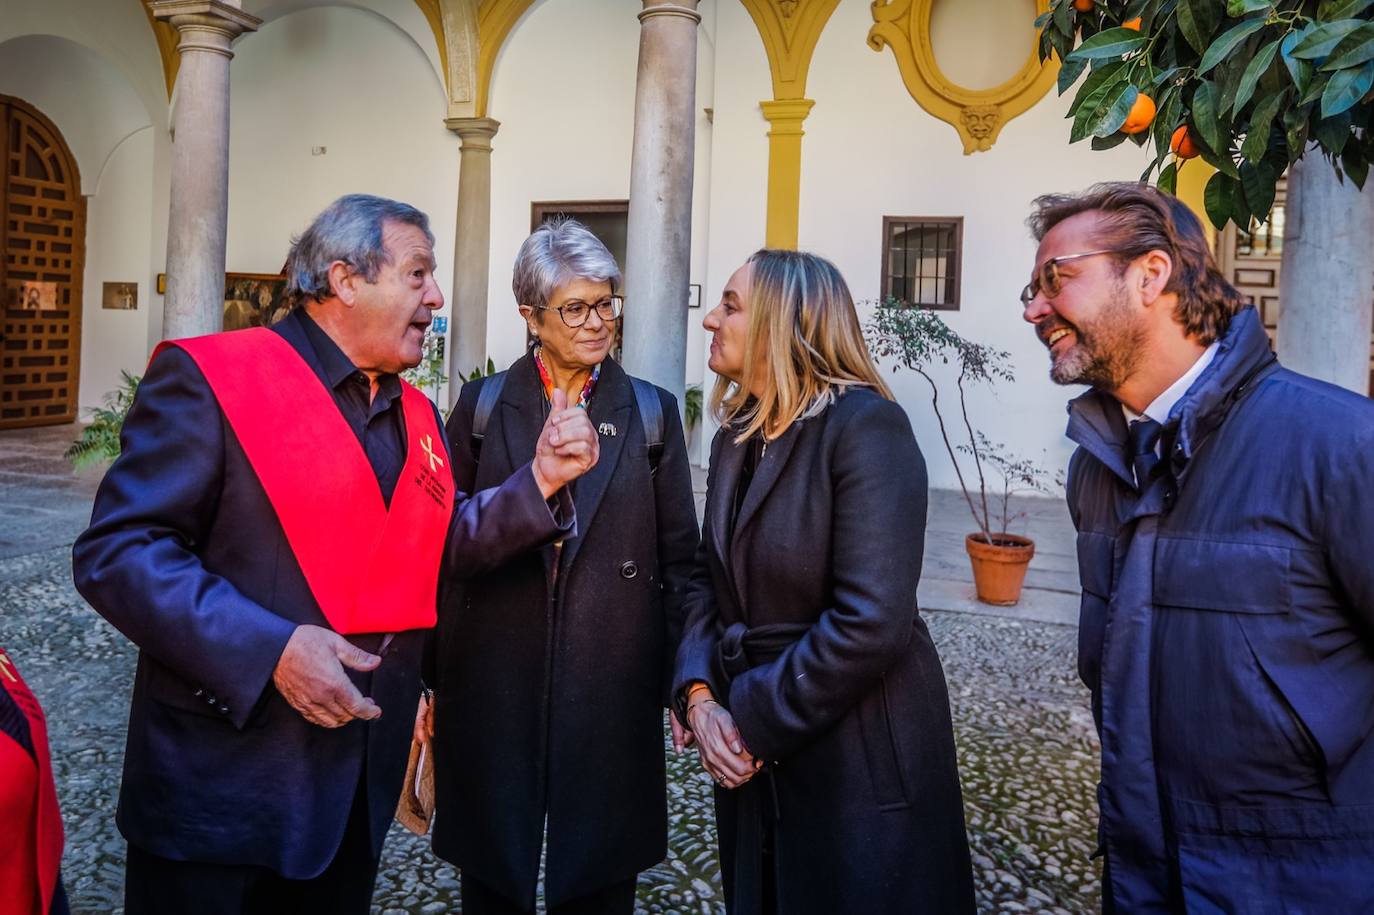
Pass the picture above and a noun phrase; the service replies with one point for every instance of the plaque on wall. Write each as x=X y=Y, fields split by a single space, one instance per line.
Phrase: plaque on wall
x=35 y=296
x=119 y=296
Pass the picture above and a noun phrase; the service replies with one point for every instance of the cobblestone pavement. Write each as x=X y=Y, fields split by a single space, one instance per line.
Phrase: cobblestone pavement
x=1027 y=753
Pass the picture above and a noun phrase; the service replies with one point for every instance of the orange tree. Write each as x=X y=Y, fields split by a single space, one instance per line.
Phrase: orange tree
x=1250 y=83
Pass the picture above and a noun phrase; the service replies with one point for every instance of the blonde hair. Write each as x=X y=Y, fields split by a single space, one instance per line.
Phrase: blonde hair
x=804 y=332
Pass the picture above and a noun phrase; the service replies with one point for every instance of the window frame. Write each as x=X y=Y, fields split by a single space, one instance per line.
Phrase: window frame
x=885 y=278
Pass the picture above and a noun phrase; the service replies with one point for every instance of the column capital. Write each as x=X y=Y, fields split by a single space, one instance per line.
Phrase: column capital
x=205 y=25
x=475 y=133
x=681 y=8
x=786 y=115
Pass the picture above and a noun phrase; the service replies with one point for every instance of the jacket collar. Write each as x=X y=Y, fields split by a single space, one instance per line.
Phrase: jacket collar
x=1243 y=357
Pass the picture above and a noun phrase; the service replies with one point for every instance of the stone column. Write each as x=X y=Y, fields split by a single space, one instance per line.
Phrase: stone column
x=785 y=118
x=659 y=245
x=199 y=212
x=1326 y=277
x=471 y=250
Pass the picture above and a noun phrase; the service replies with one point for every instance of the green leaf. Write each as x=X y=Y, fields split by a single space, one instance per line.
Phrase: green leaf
x=1346 y=88
x=1228 y=42
x=1257 y=183
x=1354 y=49
x=1253 y=70
x=1355 y=165
x=1109 y=43
x=1163 y=76
x=1237 y=8
x=1333 y=133
x=1042 y=20
x=1319 y=42
x=1098 y=81
x=1109 y=142
x=1315 y=88
x=1217 y=198
x=1063 y=17
x=1069 y=72
x=1168 y=178
x=1300 y=70
x=1198 y=19
x=1205 y=117
x=1118 y=106
x=1261 y=122
x=1330 y=10
x=1295 y=125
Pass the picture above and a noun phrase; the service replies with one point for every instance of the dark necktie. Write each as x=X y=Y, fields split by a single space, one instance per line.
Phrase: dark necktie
x=1143 y=435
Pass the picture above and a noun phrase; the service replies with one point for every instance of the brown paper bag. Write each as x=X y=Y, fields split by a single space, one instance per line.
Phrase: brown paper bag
x=416 y=807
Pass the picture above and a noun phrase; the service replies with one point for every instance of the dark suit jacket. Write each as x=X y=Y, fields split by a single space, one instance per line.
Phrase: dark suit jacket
x=185 y=556
x=854 y=714
x=550 y=691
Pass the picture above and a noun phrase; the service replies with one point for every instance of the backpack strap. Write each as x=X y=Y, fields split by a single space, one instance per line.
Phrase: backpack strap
x=651 y=416
x=486 y=403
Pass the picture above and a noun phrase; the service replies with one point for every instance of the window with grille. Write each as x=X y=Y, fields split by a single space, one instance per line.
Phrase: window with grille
x=921 y=260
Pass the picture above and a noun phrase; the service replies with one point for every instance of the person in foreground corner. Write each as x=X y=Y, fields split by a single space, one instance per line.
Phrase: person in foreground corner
x=805 y=672
x=553 y=669
x=1225 y=511
x=31 y=842
x=271 y=539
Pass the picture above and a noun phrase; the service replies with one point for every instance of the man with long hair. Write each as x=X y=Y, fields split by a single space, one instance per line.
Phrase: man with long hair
x=1225 y=511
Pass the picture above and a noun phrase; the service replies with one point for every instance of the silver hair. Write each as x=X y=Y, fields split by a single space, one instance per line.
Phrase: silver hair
x=349 y=230
x=559 y=251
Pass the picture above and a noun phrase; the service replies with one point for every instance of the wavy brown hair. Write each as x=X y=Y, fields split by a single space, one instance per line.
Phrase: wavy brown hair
x=805 y=334
x=1137 y=219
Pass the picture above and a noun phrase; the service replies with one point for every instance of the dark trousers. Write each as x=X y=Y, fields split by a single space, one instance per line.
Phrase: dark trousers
x=616 y=899
x=160 y=886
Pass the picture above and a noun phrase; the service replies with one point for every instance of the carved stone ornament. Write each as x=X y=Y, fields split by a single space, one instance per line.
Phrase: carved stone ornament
x=977 y=114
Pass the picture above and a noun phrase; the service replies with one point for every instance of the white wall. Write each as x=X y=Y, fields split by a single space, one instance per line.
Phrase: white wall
x=871 y=150
x=119 y=233
x=98 y=97
x=564 y=92
x=354 y=83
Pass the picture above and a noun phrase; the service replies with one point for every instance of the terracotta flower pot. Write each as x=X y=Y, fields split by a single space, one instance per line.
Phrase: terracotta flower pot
x=999 y=567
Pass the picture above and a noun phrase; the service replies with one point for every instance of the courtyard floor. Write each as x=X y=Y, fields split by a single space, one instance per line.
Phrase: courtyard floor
x=1027 y=751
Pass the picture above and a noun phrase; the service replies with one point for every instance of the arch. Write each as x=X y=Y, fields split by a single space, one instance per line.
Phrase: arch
x=977 y=114
x=495 y=19
x=43 y=246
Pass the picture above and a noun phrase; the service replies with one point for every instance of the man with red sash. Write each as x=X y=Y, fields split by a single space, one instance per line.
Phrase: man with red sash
x=271 y=538
x=30 y=825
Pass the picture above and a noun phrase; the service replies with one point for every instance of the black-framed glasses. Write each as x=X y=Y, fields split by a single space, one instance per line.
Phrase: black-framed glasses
x=1047 y=279
x=576 y=312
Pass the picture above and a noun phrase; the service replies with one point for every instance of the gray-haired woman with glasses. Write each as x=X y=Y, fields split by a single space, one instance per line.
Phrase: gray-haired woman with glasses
x=551 y=672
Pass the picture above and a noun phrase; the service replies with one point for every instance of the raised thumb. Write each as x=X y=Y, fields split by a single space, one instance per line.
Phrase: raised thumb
x=559 y=400
x=351 y=655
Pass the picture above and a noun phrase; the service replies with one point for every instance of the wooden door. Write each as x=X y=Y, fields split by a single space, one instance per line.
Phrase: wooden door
x=43 y=240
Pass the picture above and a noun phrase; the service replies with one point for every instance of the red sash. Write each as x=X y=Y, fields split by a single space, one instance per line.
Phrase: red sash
x=371 y=569
x=39 y=862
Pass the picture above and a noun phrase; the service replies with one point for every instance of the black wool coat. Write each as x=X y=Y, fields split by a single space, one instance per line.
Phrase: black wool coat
x=552 y=670
x=853 y=716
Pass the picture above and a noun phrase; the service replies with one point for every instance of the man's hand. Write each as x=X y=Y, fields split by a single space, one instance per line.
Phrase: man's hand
x=424 y=720
x=567 y=446
x=310 y=676
x=723 y=754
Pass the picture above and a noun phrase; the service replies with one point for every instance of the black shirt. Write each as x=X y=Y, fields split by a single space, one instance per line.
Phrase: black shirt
x=378 y=422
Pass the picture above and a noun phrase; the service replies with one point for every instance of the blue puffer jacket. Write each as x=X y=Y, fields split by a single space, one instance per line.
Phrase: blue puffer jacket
x=1227 y=636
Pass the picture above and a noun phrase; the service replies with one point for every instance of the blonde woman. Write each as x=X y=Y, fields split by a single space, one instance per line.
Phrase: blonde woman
x=805 y=672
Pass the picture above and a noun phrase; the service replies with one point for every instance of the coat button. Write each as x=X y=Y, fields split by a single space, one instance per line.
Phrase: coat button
x=628 y=570
x=210 y=700
x=223 y=709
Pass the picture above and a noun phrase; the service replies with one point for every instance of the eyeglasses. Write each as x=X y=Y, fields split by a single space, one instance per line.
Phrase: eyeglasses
x=576 y=313
x=1047 y=279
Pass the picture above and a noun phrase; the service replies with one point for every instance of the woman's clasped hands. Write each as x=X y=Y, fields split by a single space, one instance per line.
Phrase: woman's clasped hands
x=719 y=745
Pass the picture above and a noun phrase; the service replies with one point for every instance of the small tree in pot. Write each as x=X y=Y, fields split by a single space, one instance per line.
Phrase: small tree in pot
x=916 y=339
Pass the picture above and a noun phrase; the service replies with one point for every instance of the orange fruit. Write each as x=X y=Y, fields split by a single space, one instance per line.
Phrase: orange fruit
x=1083 y=6
x=1133 y=24
x=1142 y=113
x=1183 y=144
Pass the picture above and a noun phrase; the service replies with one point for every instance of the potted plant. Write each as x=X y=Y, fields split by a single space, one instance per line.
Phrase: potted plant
x=916 y=338
x=99 y=441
